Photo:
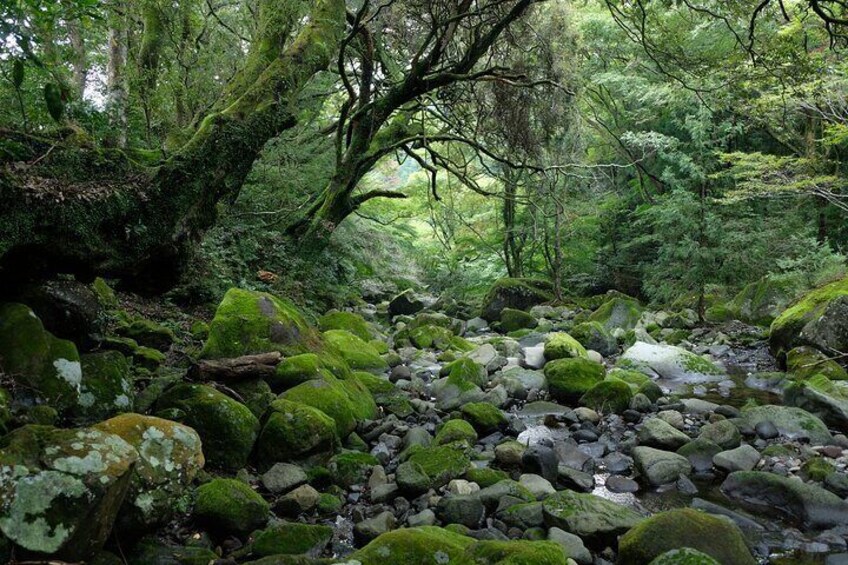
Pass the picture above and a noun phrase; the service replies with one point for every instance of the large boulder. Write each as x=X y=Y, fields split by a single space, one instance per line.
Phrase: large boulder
x=791 y=422
x=60 y=490
x=229 y=506
x=684 y=527
x=48 y=368
x=106 y=388
x=170 y=456
x=357 y=353
x=761 y=301
x=619 y=312
x=346 y=401
x=804 y=362
x=818 y=319
x=462 y=384
x=611 y=395
x=660 y=467
x=767 y=493
x=439 y=464
x=405 y=303
x=560 y=345
x=514 y=320
x=68 y=309
x=227 y=427
x=822 y=397
x=669 y=363
x=595 y=336
x=515 y=293
x=596 y=520
x=294 y=431
x=249 y=322
x=569 y=379
x=348 y=321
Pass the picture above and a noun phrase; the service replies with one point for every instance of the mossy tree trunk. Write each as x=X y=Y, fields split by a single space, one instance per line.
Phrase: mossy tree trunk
x=117 y=218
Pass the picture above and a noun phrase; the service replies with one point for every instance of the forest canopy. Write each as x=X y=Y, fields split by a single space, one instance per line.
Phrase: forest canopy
x=597 y=144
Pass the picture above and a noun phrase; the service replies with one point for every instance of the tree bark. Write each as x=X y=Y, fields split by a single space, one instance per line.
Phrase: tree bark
x=118 y=219
x=261 y=366
x=116 y=88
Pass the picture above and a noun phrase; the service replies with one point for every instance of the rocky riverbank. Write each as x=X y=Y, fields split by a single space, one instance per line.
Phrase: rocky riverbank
x=412 y=431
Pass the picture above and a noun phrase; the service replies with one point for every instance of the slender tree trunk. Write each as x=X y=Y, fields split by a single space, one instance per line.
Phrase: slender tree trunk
x=116 y=87
x=79 y=63
x=511 y=246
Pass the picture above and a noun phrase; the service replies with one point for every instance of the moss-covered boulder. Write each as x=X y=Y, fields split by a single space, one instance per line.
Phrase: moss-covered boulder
x=47 y=368
x=358 y=354
x=513 y=320
x=294 y=431
x=60 y=490
x=227 y=427
x=516 y=552
x=684 y=527
x=669 y=362
x=804 y=362
x=228 y=506
x=618 y=312
x=809 y=505
x=433 y=337
x=70 y=309
x=351 y=468
x=249 y=322
x=569 y=379
x=291 y=538
x=425 y=545
x=591 y=517
x=170 y=456
x=436 y=319
x=148 y=333
x=761 y=301
x=462 y=384
x=256 y=394
x=346 y=401
x=791 y=422
x=347 y=321
x=106 y=388
x=595 y=336
x=516 y=293
x=153 y=550
x=295 y=370
x=608 y=396
x=560 y=345
x=485 y=417
x=821 y=397
x=440 y=463
x=684 y=556
x=818 y=319
x=455 y=430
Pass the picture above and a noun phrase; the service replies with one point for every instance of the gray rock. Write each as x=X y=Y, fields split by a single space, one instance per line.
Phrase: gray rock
x=369 y=529
x=572 y=545
x=282 y=477
x=424 y=518
x=617 y=483
x=723 y=433
x=541 y=460
x=302 y=499
x=658 y=433
x=766 y=429
x=743 y=458
x=573 y=479
x=670 y=363
x=767 y=493
x=700 y=453
x=591 y=517
x=384 y=493
x=523 y=515
x=660 y=467
x=539 y=486
x=467 y=510
x=791 y=422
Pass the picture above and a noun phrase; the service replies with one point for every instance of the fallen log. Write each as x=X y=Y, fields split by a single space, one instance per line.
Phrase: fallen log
x=259 y=366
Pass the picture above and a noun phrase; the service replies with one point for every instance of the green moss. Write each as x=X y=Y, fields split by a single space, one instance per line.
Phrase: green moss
x=618 y=313
x=229 y=506
x=516 y=552
x=426 y=545
x=786 y=328
x=148 y=358
x=518 y=334
x=148 y=333
x=588 y=516
x=373 y=383
x=348 y=321
x=106 y=388
x=483 y=416
x=804 y=362
x=358 y=354
x=227 y=428
x=441 y=463
x=256 y=394
x=295 y=370
x=291 y=538
x=609 y=396
x=465 y=374
x=518 y=293
x=560 y=345
x=684 y=556
x=345 y=401
x=570 y=378
x=44 y=365
x=684 y=527
x=329 y=504
x=249 y=322
x=513 y=320
x=105 y=295
x=294 y=431
x=434 y=337
x=593 y=335
x=817 y=468
x=456 y=430
x=351 y=468
x=485 y=476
